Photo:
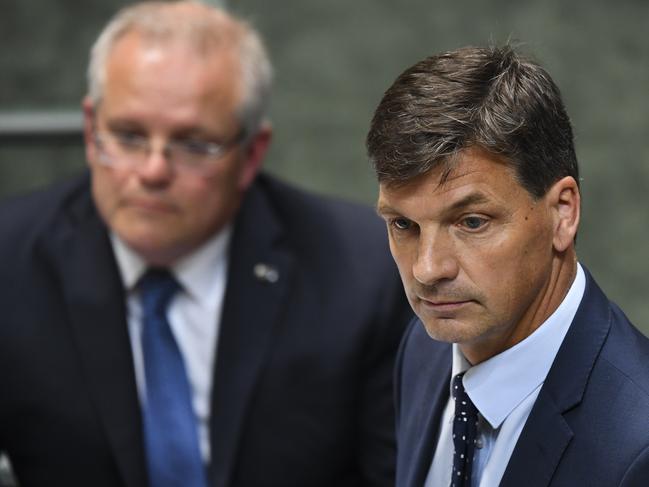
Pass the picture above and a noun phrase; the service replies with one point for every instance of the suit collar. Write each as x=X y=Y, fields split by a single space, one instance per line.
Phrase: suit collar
x=418 y=431
x=580 y=349
x=546 y=434
x=82 y=264
x=259 y=277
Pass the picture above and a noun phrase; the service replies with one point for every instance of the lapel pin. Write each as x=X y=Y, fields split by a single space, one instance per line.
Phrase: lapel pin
x=266 y=273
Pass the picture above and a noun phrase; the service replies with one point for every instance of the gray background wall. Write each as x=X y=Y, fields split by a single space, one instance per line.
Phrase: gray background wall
x=335 y=58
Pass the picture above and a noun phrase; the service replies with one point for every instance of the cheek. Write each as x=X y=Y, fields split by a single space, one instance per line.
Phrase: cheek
x=107 y=186
x=198 y=197
x=532 y=254
x=206 y=202
x=405 y=260
x=504 y=268
x=522 y=271
x=402 y=258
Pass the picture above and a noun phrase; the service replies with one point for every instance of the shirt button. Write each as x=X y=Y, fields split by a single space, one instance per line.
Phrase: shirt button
x=479 y=443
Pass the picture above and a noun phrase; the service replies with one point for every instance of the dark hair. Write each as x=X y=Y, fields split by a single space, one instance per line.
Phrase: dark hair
x=491 y=98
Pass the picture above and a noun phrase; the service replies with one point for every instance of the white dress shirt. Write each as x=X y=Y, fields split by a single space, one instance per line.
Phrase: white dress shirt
x=194 y=316
x=503 y=389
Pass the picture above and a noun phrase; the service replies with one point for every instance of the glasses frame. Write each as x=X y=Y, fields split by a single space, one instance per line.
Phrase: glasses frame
x=176 y=152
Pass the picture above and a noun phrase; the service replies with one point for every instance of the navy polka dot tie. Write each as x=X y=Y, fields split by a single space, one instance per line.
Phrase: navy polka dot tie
x=465 y=426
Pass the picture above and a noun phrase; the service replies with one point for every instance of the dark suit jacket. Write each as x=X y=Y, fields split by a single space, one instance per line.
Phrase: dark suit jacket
x=302 y=390
x=590 y=423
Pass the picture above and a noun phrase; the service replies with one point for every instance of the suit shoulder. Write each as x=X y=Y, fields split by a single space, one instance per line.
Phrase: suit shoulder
x=332 y=221
x=303 y=203
x=25 y=215
x=627 y=351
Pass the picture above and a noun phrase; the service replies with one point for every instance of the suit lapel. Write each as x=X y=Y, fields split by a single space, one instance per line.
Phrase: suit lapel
x=258 y=280
x=547 y=434
x=419 y=429
x=540 y=446
x=81 y=259
x=437 y=396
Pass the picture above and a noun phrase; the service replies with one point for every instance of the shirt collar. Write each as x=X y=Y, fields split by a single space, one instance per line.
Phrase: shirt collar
x=131 y=266
x=519 y=370
x=195 y=272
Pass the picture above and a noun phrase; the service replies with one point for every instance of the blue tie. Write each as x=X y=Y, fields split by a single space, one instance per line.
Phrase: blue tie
x=465 y=425
x=170 y=426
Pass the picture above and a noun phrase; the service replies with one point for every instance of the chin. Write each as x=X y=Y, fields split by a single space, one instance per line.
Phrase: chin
x=443 y=330
x=452 y=330
x=154 y=247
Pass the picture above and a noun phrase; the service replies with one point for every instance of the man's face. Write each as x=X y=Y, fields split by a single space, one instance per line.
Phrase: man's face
x=480 y=258
x=167 y=93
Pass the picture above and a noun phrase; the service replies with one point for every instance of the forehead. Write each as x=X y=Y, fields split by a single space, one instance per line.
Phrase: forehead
x=475 y=177
x=171 y=73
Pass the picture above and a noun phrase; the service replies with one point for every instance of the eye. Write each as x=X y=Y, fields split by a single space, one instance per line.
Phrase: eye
x=194 y=146
x=473 y=222
x=401 y=223
x=197 y=150
x=129 y=139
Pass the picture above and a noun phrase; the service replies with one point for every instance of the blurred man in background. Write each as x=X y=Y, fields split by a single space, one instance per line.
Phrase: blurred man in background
x=546 y=382
x=176 y=318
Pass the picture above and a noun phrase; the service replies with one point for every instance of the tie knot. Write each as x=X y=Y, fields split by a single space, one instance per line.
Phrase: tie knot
x=463 y=403
x=157 y=287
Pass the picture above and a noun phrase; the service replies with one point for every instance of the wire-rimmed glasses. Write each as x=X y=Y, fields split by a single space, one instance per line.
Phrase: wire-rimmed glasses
x=119 y=148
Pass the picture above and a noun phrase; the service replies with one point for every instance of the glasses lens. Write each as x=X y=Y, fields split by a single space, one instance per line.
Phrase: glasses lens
x=122 y=148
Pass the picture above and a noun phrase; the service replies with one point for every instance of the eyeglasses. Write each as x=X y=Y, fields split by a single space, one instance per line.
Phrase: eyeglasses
x=123 y=148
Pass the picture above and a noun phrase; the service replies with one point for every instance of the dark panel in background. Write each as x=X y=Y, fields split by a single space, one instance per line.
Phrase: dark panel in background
x=333 y=61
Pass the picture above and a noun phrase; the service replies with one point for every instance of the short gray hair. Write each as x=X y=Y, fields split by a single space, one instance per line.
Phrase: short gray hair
x=205 y=28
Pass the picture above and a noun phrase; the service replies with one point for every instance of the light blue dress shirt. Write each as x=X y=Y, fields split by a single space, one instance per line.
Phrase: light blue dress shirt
x=504 y=389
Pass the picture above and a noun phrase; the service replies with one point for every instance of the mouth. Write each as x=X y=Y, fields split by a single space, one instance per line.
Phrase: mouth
x=442 y=306
x=149 y=205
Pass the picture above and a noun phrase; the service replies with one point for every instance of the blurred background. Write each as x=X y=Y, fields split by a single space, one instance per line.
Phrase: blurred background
x=333 y=61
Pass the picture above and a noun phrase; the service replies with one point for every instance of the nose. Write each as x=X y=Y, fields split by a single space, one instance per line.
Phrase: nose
x=156 y=169
x=436 y=258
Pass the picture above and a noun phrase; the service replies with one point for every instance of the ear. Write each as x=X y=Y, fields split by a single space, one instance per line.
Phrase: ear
x=565 y=201
x=88 y=124
x=254 y=154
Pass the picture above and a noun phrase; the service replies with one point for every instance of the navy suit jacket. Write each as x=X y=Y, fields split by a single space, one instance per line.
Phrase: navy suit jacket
x=588 y=427
x=302 y=386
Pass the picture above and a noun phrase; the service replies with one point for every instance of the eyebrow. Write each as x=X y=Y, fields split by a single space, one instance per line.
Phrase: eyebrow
x=468 y=200
x=471 y=199
x=192 y=131
x=382 y=209
x=122 y=124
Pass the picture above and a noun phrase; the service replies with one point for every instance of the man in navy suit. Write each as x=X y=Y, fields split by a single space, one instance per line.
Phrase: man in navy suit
x=285 y=309
x=518 y=371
